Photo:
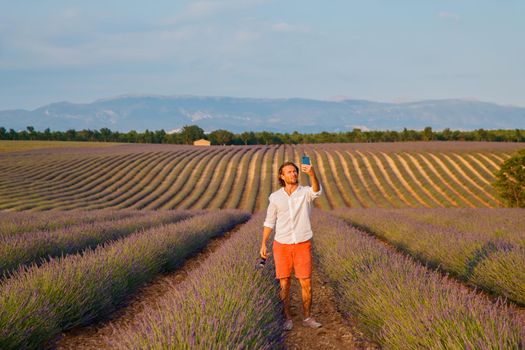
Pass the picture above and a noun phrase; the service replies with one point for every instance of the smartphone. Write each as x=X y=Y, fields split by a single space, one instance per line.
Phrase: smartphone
x=306 y=160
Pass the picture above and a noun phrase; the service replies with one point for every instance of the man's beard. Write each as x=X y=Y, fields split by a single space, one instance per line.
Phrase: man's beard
x=292 y=181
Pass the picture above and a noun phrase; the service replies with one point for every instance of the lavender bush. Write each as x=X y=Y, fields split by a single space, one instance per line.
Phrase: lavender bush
x=38 y=303
x=402 y=304
x=503 y=272
x=484 y=247
x=34 y=247
x=226 y=303
x=13 y=223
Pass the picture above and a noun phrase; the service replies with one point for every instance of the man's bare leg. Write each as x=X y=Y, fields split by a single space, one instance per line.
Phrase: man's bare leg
x=306 y=292
x=285 y=296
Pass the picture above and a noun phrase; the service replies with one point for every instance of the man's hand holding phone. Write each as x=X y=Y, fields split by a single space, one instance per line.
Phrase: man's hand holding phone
x=306 y=166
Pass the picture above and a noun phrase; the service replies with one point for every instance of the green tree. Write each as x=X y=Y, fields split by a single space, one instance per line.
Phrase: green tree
x=296 y=137
x=428 y=135
x=32 y=133
x=47 y=134
x=105 y=134
x=146 y=137
x=71 y=135
x=510 y=180
x=160 y=136
x=517 y=136
x=248 y=138
x=190 y=133
x=481 y=135
x=357 y=135
x=447 y=134
x=3 y=133
x=221 y=137
x=133 y=136
x=265 y=137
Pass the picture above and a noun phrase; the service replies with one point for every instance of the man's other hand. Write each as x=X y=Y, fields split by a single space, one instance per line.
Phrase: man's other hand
x=264 y=252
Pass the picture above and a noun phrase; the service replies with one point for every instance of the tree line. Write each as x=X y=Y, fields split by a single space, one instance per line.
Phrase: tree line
x=190 y=133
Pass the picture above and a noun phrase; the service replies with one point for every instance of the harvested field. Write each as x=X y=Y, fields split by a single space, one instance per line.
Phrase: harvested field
x=425 y=174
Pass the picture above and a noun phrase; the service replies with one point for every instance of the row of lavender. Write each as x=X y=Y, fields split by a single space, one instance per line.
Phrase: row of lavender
x=402 y=304
x=226 y=303
x=485 y=247
x=39 y=302
x=14 y=223
x=355 y=175
x=38 y=246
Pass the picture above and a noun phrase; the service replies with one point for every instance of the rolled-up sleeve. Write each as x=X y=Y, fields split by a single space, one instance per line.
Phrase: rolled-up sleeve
x=271 y=215
x=314 y=195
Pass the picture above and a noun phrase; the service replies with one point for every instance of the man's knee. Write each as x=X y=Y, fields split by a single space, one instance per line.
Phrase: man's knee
x=285 y=282
x=305 y=283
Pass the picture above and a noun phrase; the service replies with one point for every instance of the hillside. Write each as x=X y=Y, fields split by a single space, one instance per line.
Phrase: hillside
x=249 y=114
x=398 y=175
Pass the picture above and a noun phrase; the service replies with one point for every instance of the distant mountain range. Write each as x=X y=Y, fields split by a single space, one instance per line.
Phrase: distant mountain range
x=171 y=113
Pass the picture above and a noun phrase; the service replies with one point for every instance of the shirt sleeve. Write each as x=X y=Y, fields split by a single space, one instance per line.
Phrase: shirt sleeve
x=314 y=195
x=271 y=215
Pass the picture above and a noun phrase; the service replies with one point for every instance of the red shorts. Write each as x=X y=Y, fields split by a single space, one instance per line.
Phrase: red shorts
x=297 y=256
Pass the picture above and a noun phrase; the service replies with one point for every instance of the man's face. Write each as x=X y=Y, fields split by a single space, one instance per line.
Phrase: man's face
x=289 y=175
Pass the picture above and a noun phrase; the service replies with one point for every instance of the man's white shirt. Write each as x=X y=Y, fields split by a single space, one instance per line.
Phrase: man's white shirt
x=289 y=215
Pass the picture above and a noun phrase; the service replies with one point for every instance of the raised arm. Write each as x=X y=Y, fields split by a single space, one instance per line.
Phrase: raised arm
x=309 y=170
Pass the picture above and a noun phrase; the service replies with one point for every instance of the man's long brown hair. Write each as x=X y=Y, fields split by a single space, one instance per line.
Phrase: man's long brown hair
x=281 y=181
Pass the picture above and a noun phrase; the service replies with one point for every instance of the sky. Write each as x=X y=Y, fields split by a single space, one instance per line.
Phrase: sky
x=380 y=50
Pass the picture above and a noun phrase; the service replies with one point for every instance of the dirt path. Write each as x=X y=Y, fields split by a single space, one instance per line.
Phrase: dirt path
x=95 y=336
x=336 y=332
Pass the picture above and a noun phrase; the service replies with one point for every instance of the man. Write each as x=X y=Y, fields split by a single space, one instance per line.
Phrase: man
x=289 y=214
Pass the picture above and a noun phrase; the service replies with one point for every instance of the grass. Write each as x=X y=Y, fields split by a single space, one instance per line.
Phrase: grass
x=12 y=146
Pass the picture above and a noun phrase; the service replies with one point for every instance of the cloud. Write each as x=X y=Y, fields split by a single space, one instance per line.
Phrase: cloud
x=246 y=35
x=102 y=48
x=204 y=9
x=449 y=16
x=286 y=27
x=73 y=39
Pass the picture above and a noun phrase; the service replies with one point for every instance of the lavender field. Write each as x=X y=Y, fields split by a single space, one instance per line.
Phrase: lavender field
x=412 y=238
x=225 y=304
x=384 y=175
x=38 y=302
x=485 y=247
x=404 y=305
x=34 y=247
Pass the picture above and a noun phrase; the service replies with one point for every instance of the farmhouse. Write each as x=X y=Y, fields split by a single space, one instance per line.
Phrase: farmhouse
x=201 y=142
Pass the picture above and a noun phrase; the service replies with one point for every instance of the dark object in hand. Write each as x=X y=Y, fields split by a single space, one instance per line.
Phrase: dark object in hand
x=260 y=263
x=306 y=160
